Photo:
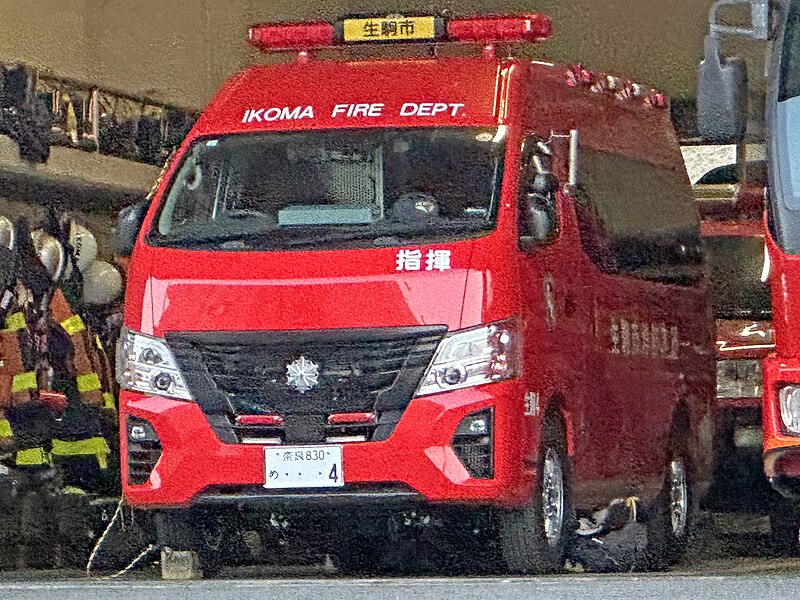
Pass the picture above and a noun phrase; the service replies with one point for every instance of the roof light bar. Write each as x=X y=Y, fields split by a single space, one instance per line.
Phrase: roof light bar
x=523 y=28
x=291 y=36
x=483 y=30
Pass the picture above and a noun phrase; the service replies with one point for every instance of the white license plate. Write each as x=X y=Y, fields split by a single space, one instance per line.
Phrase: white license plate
x=303 y=467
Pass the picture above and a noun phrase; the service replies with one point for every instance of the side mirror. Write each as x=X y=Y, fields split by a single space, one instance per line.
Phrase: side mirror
x=544 y=184
x=540 y=219
x=129 y=222
x=721 y=96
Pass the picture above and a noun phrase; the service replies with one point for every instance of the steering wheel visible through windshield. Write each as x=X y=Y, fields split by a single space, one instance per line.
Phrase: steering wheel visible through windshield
x=279 y=191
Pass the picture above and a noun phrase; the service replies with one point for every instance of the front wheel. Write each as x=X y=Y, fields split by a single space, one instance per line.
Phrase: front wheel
x=534 y=539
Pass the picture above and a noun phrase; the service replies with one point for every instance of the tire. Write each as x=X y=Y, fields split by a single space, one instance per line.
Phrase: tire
x=671 y=517
x=534 y=539
x=784 y=523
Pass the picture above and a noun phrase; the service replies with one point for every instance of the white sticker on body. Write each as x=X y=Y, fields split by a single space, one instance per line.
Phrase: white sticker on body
x=411 y=260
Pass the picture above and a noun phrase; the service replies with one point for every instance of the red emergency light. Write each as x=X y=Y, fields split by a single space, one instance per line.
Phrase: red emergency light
x=318 y=34
x=292 y=36
x=367 y=418
x=260 y=420
x=523 y=28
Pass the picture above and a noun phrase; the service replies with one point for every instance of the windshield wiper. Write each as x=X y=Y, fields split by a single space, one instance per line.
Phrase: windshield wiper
x=389 y=236
x=301 y=236
x=205 y=239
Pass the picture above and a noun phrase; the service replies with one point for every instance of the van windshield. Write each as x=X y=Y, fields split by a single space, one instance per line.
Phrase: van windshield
x=333 y=188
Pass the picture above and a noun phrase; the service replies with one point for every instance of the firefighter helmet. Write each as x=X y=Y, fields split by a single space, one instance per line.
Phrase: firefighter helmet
x=50 y=252
x=84 y=245
x=6 y=233
x=102 y=283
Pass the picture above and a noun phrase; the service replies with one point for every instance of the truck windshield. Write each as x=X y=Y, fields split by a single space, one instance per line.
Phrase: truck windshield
x=785 y=143
x=737 y=263
x=790 y=56
x=333 y=188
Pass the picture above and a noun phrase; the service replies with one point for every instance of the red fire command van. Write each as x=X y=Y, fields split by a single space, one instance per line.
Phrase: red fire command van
x=444 y=285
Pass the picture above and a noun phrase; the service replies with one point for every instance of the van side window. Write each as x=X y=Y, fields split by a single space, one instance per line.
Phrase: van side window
x=638 y=219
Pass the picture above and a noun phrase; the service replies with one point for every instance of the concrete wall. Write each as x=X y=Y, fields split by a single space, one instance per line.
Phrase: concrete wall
x=180 y=50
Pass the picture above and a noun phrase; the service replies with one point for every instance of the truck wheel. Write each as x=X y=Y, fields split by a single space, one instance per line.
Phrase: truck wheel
x=784 y=523
x=534 y=539
x=672 y=515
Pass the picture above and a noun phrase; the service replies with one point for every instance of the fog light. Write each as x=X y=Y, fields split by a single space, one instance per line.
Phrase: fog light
x=473 y=443
x=477 y=424
x=789 y=397
x=140 y=430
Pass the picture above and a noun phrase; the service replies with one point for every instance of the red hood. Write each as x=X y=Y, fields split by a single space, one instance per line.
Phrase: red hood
x=738 y=338
x=208 y=291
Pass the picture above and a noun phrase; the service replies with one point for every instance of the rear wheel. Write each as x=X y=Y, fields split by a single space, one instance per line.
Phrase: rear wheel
x=534 y=539
x=784 y=521
x=672 y=515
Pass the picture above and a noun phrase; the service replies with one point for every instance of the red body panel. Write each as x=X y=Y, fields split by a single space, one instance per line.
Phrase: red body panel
x=781 y=449
x=617 y=420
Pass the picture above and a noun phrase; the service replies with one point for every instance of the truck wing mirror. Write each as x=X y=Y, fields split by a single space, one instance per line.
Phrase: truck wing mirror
x=129 y=222
x=544 y=184
x=721 y=96
x=540 y=218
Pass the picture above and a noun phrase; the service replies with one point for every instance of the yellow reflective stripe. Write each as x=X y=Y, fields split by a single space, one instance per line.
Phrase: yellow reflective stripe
x=16 y=321
x=88 y=383
x=98 y=342
x=5 y=429
x=96 y=446
x=32 y=457
x=23 y=381
x=108 y=400
x=73 y=325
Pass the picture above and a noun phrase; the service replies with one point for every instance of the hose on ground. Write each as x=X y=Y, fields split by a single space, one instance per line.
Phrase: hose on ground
x=96 y=550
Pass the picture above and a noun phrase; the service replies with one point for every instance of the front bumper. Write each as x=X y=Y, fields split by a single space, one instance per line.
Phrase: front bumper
x=416 y=463
x=781 y=449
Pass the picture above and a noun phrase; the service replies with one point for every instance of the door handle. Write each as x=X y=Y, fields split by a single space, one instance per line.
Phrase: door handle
x=569 y=305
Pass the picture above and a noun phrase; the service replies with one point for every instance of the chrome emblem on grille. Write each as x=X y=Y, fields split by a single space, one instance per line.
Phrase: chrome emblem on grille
x=302 y=374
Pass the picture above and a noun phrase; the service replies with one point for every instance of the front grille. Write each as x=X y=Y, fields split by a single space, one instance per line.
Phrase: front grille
x=359 y=371
x=476 y=455
x=144 y=449
x=142 y=459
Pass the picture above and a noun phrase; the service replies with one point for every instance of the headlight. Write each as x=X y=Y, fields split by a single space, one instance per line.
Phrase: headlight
x=738 y=378
x=473 y=357
x=145 y=364
x=789 y=398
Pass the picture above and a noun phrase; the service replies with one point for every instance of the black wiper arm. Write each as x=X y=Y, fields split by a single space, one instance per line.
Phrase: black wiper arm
x=330 y=238
x=403 y=236
x=209 y=238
